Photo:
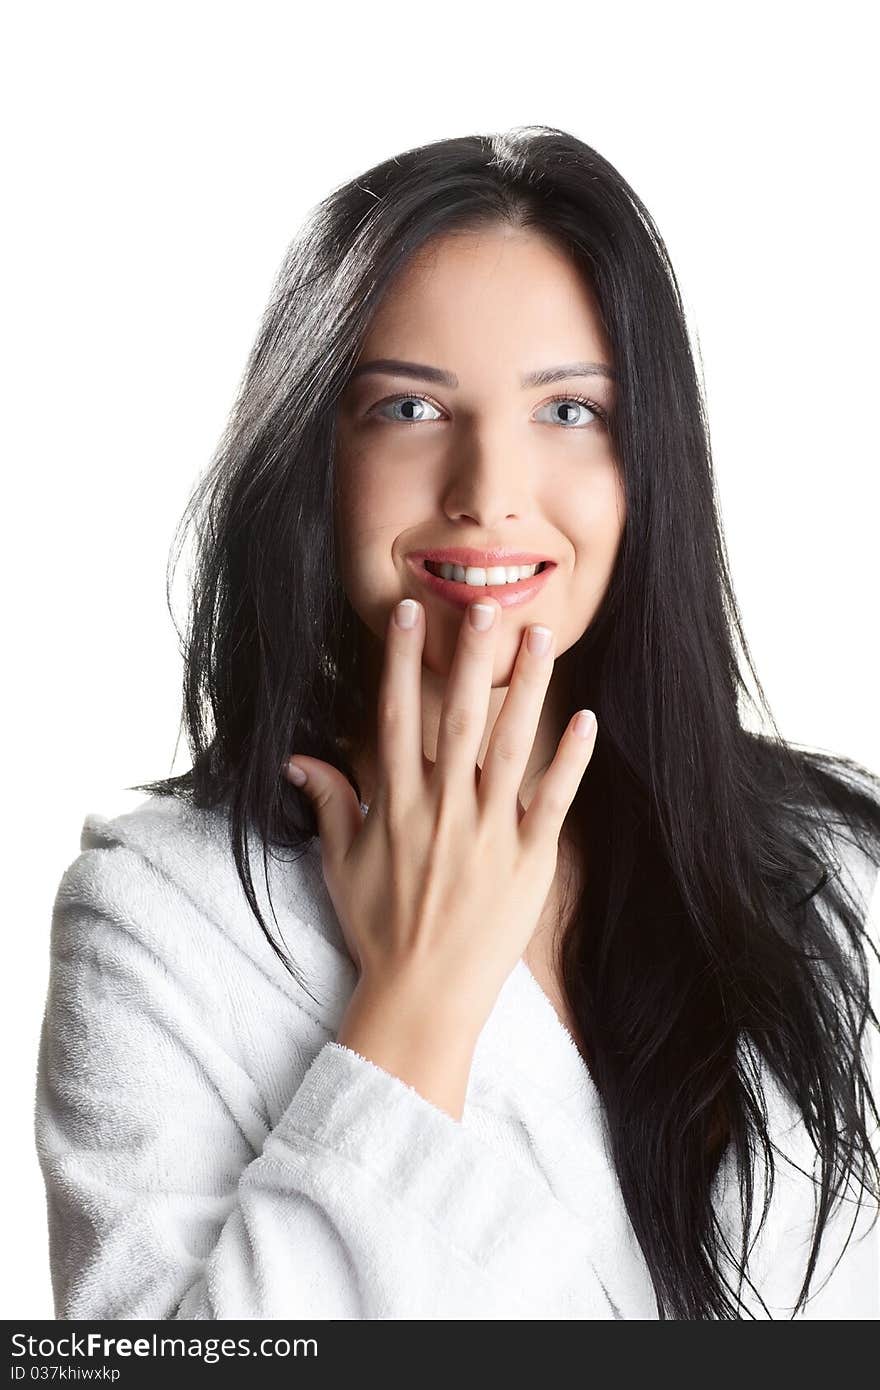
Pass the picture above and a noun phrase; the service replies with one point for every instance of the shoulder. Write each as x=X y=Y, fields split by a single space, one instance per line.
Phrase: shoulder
x=162 y=879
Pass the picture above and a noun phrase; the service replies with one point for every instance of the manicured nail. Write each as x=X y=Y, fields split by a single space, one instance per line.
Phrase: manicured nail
x=296 y=774
x=539 y=640
x=584 y=723
x=482 y=616
x=406 y=612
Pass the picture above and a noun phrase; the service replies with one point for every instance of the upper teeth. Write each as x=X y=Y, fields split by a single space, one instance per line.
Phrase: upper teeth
x=471 y=574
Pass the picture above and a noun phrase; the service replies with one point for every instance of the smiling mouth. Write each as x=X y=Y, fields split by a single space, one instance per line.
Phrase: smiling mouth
x=514 y=574
x=523 y=585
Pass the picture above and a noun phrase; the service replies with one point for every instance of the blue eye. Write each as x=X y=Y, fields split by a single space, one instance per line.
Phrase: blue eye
x=405 y=400
x=584 y=402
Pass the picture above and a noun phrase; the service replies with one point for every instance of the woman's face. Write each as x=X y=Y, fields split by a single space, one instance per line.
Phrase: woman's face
x=485 y=462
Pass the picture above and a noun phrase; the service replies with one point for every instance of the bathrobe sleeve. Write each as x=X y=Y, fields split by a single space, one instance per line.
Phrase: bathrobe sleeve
x=169 y=1197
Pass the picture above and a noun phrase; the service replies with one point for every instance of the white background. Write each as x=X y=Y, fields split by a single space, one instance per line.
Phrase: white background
x=158 y=159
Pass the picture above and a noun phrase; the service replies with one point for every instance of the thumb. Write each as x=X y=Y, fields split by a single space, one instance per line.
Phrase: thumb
x=333 y=798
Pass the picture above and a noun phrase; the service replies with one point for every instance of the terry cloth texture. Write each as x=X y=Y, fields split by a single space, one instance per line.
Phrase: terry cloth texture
x=210 y=1151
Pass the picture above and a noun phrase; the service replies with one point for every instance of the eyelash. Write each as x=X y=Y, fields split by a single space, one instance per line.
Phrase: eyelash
x=418 y=396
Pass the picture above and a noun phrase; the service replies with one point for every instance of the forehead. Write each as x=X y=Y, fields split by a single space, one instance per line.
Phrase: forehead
x=503 y=290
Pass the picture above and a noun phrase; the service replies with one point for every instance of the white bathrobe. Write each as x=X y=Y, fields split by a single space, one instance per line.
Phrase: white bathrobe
x=210 y=1151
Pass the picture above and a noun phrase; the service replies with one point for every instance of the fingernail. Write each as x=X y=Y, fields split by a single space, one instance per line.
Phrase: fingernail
x=482 y=616
x=296 y=774
x=539 y=640
x=584 y=723
x=406 y=613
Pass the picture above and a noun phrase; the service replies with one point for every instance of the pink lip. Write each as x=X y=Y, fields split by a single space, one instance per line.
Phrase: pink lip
x=462 y=595
x=480 y=559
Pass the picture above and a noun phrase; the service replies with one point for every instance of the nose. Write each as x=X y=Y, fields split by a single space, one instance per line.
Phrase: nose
x=489 y=480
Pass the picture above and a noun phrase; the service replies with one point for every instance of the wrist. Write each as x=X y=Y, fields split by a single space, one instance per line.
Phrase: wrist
x=417 y=1038
x=418 y=1005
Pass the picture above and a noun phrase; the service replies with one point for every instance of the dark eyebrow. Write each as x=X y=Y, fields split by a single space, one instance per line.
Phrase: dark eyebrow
x=392 y=366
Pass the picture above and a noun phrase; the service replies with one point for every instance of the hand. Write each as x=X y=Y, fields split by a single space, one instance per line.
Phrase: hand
x=440 y=887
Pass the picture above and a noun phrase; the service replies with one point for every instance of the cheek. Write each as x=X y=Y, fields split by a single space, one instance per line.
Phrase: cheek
x=373 y=510
x=362 y=505
x=611 y=518
x=594 y=526
x=381 y=496
x=595 y=520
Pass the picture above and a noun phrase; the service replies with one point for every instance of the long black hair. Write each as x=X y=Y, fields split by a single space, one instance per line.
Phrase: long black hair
x=716 y=905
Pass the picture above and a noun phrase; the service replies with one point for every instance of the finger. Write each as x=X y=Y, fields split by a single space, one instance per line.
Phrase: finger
x=337 y=809
x=399 y=710
x=468 y=690
x=546 y=812
x=513 y=734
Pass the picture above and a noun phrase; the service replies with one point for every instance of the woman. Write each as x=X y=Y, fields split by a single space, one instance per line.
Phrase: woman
x=573 y=1023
